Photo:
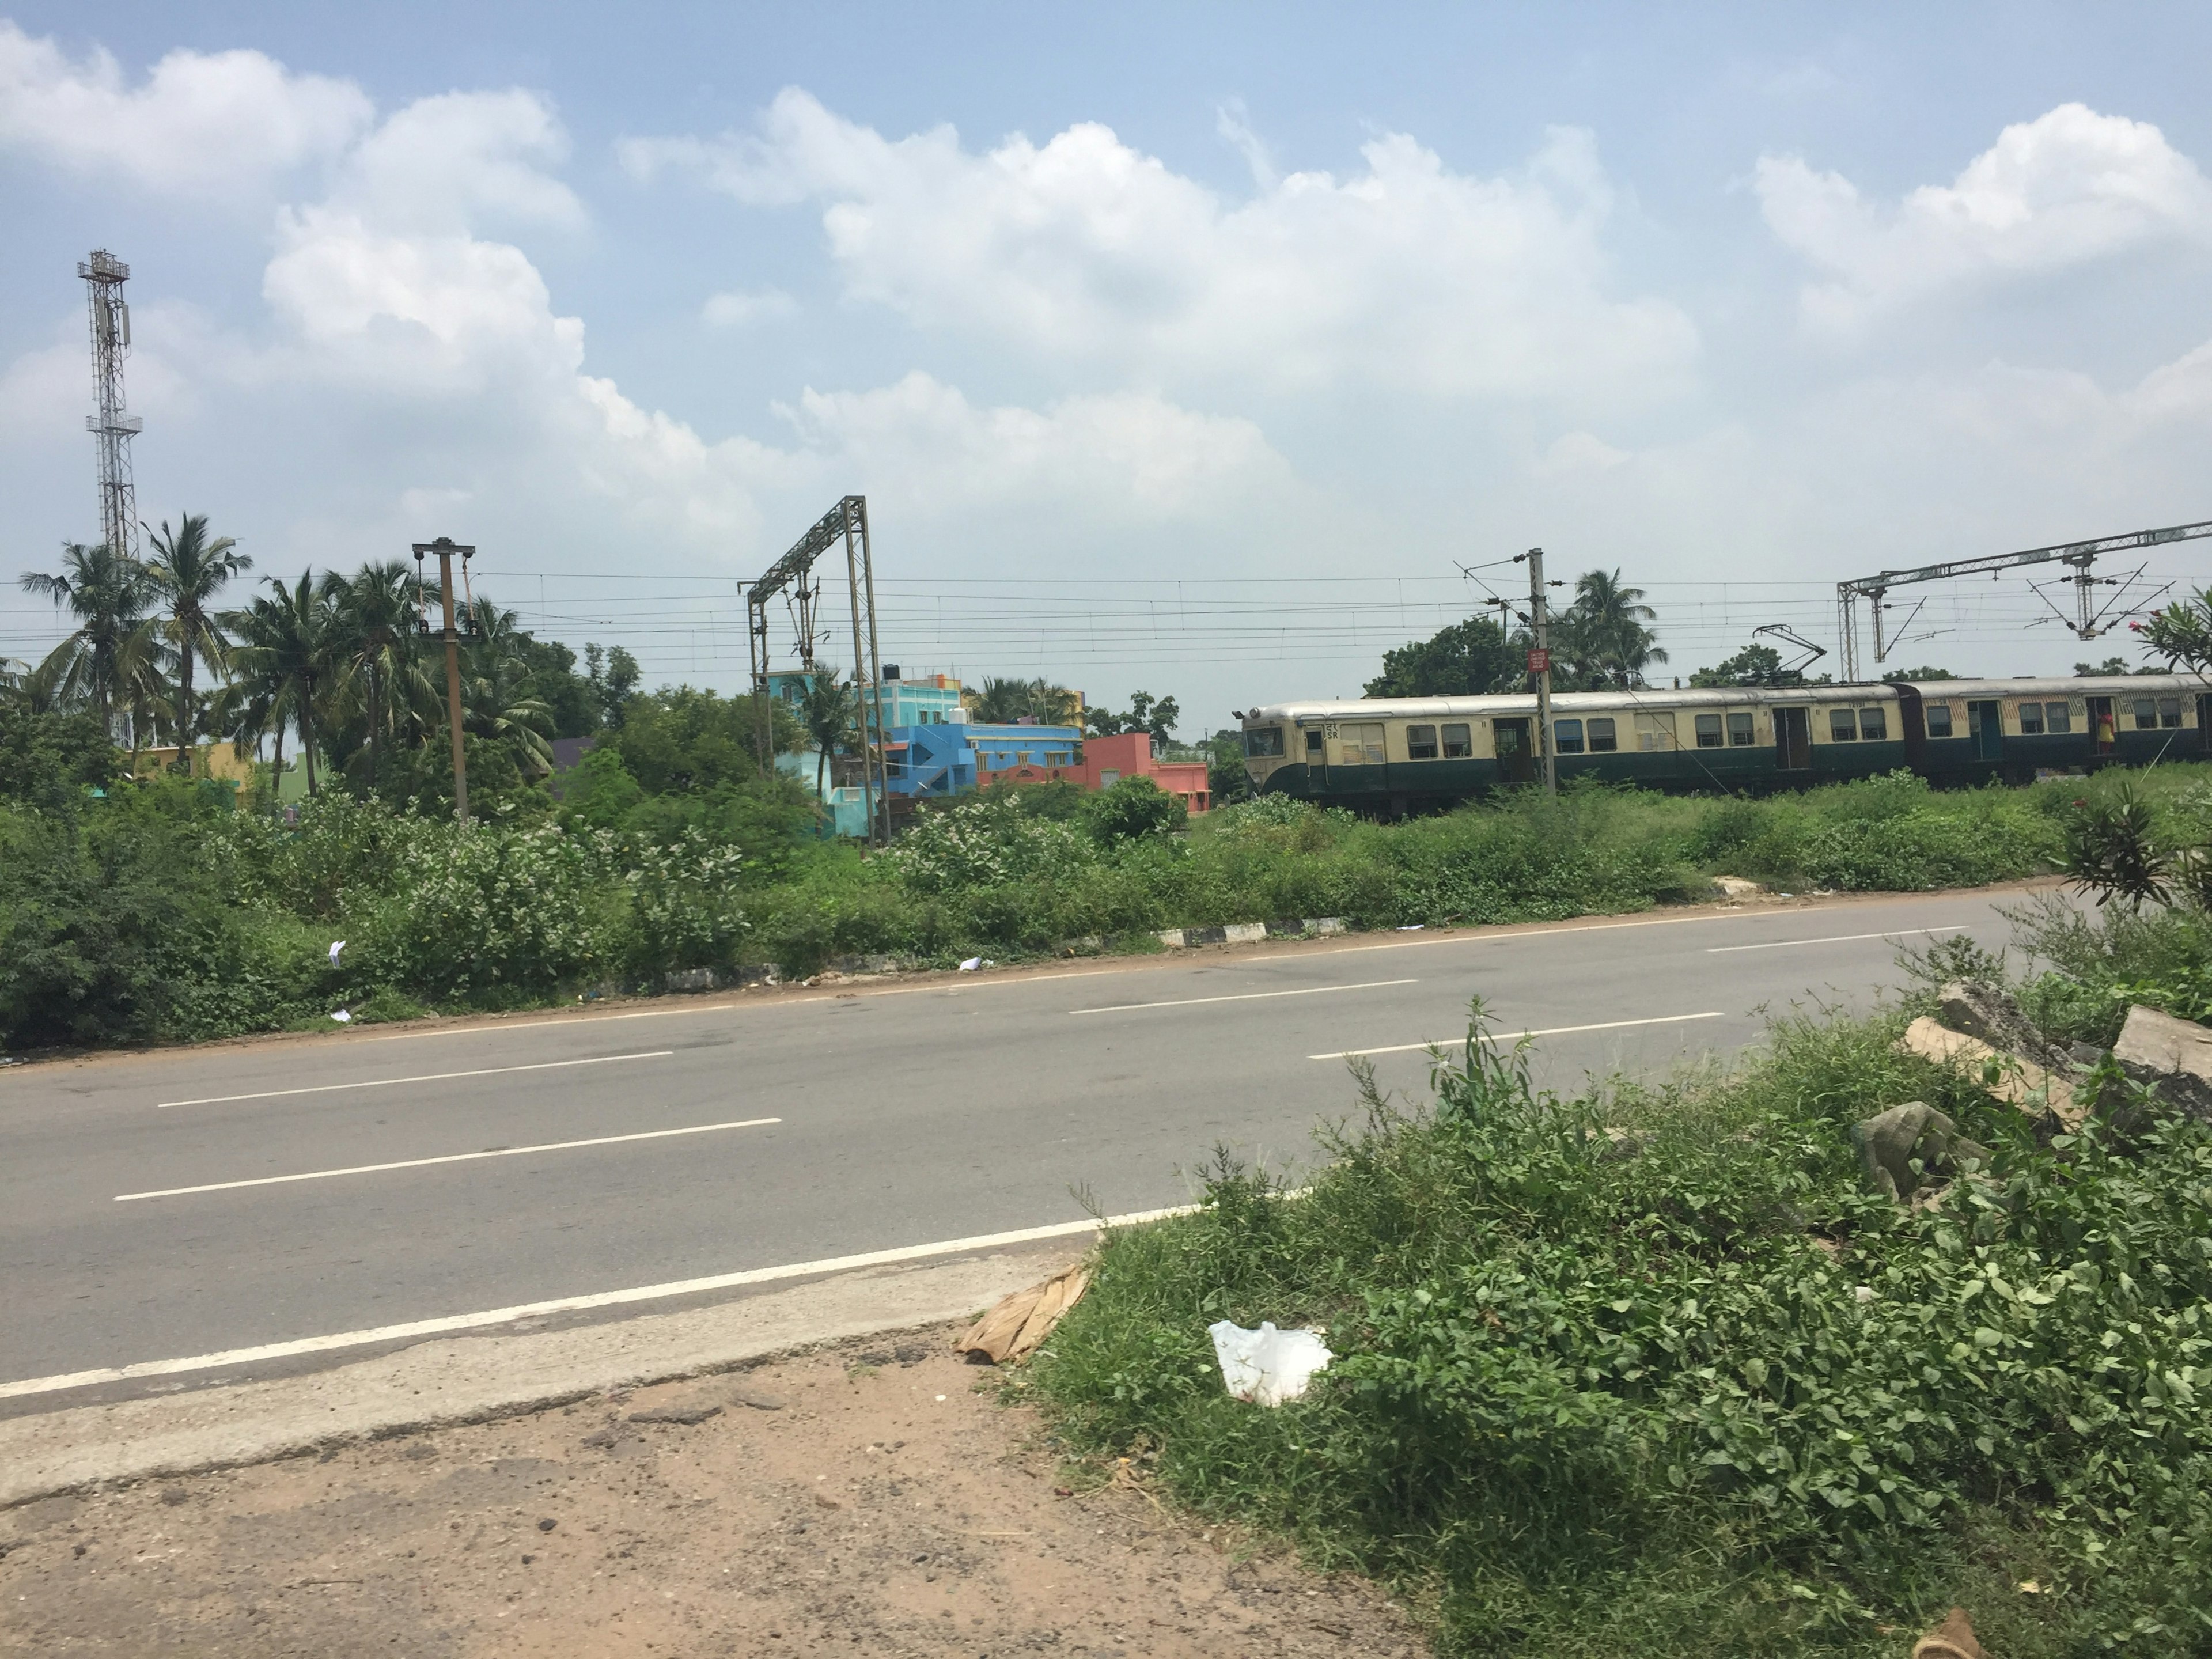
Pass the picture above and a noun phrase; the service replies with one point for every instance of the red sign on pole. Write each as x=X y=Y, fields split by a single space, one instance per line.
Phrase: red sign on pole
x=1539 y=662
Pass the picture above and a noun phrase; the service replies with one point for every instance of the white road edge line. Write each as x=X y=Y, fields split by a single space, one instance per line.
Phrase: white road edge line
x=393 y=1082
x=1515 y=1037
x=1246 y=996
x=471 y=1321
x=450 y=1157
x=1832 y=938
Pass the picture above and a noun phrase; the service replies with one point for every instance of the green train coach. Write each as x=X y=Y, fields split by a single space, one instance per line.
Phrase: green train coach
x=1407 y=755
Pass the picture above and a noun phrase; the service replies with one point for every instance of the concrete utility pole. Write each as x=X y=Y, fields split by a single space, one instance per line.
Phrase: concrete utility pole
x=445 y=549
x=1539 y=664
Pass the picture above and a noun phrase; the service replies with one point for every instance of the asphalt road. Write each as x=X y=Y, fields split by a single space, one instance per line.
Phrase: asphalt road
x=198 y=1201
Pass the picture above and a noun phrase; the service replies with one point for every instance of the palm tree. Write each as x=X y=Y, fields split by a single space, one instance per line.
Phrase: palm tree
x=1606 y=629
x=1002 y=702
x=829 y=711
x=283 y=661
x=374 y=624
x=113 y=645
x=187 y=568
x=498 y=699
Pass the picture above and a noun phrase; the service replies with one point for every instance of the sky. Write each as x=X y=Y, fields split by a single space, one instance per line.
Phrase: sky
x=1198 y=350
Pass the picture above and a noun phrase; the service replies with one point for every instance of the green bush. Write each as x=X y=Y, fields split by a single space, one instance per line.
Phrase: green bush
x=1692 y=1392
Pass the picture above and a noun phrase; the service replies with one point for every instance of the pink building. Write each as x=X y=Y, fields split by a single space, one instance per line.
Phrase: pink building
x=1106 y=762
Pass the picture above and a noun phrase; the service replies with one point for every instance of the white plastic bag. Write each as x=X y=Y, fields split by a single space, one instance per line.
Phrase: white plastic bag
x=1267 y=1366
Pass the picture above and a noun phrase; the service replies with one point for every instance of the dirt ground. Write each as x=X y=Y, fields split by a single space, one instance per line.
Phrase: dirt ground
x=872 y=1499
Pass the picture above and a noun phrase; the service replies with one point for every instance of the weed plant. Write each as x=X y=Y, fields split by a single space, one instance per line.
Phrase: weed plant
x=158 y=913
x=1646 y=1374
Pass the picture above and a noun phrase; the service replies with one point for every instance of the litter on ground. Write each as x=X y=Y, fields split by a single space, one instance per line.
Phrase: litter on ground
x=1267 y=1366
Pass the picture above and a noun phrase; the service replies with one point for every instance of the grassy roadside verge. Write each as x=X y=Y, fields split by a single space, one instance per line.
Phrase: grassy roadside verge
x=159 y=914
x=1692 y=1392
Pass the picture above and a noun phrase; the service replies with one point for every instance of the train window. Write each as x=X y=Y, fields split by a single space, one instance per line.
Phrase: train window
x=2169 y=711
x=1601 y=736
x=1420 y=742
x=1569 y=735
x=1740 y=734
x=1313 y=747
x=2058 y=717
x=1873 y=725
x=1655 y=732
x=1458 y=745
x=1262 y=741
x=2030 y=719
x=2146 y=715
x=1843 y=726
x=1709 y=731
x=1939 y=719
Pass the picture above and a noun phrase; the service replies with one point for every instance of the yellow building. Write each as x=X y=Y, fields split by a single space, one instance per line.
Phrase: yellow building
x=209 y=760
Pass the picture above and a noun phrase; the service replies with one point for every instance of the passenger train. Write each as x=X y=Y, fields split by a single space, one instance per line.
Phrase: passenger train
x=1403 y=754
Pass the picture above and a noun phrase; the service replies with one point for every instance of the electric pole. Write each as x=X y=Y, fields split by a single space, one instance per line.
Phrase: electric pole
x=1539 y=664
x=445 y=549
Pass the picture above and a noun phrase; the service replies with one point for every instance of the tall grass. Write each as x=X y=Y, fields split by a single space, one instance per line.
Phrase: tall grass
x=1646 y=1374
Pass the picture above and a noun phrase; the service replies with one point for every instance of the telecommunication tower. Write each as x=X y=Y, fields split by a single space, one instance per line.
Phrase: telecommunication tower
x=104 y=276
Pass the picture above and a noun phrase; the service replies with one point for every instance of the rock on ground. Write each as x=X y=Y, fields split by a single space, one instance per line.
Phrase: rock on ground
x=2174 y=1056
x=873 y=1499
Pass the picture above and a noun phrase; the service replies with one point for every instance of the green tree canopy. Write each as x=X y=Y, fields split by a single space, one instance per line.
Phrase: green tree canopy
x=2112 y=668
x=1155 y=715
x=1472 y=658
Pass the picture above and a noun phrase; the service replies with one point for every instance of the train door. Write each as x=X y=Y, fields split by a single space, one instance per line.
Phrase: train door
x=1793 y=740
x=1985 y=725
x=2204 y=722
x=2103 y=729
x=1516 y=762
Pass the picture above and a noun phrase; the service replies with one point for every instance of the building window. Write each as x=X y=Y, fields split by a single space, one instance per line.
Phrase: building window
x=1420 y=742
x=1709 y=731
x=2146 y=715
x=1569 y=736
x=1843 y=726
x=1601 y=736
x=1458 y=743
x=1873 y=725
x=1939 y=719
x=1740 y=735
x=2030 y=719
x=2169 y=711
x=2058 y=717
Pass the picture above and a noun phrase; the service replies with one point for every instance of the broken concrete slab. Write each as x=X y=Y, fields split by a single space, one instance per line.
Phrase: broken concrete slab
x=1738 y=887
x=2019 y=1082
x=1990 y=1013
x=1889 y=1143
x=2173 y=1056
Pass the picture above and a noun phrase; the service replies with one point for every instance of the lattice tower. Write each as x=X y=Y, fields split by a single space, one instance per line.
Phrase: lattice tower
x=104 y=276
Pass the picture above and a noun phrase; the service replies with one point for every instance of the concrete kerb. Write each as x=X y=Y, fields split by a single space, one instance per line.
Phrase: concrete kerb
x=479 y=1377
x=1252 y=933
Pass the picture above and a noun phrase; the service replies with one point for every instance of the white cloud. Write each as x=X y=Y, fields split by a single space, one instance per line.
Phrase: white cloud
x=737 y=309
x=2068 y=188
x=461 y=159
x=1085 y=252
x=210 y=125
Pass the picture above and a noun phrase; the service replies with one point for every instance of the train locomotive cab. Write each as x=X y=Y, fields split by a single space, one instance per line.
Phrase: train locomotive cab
x=1411 y=755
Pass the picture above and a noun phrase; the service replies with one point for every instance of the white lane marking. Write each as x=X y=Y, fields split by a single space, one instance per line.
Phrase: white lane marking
x=451 y=1158
x=1515 y=1037
x=470 y=1321
x=429 y=1076
x=1832 y=938
x=1246 y=996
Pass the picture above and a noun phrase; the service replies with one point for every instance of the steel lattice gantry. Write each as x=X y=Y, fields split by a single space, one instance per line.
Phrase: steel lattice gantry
x=2080 y=555
x=847 y=521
